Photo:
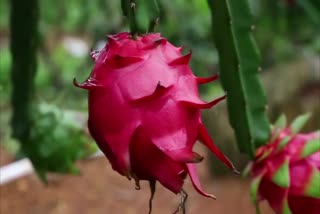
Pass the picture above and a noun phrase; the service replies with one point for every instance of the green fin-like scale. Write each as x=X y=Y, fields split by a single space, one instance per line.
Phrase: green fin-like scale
x=279 y=125
x=313 y=187
x=311 y=147
x=282 y=175
x=254 y=187
x=299 y=122
x=281 y=122
x=265 y=155
x=286 y=209
x=283 y=143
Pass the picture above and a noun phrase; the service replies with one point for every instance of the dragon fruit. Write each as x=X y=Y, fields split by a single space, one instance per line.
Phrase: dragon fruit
x=286 y=171
x=144 y=110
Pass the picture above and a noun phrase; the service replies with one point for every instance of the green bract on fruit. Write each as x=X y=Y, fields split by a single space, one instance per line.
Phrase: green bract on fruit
x=144 y=110
x=286 y=171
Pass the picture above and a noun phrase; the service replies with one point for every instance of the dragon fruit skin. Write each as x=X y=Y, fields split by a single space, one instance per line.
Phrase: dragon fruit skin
x=144 y=110
x=286 y=173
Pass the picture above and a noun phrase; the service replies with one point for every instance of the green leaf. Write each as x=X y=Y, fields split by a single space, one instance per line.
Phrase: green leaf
x=56 y=142
x=282 y=175
x=311 y=147
x=299 y=122
x=239 y=66
x=313 y=186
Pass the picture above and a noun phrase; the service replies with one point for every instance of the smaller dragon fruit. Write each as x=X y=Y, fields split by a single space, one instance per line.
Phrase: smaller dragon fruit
x=286 y=171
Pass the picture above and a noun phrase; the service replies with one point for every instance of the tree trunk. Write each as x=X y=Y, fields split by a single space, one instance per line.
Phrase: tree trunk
x=24 y=17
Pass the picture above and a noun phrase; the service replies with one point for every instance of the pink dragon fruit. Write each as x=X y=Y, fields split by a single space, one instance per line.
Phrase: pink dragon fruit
x=286 y=172
x=144 y=110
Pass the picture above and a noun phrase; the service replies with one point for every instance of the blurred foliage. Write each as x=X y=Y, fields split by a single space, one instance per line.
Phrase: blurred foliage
x=283 y=32
x=57 y=140
x=281 y=28
x=5 y=60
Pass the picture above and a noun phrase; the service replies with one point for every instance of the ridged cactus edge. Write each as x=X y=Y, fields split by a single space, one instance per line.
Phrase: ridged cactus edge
x=239 y=61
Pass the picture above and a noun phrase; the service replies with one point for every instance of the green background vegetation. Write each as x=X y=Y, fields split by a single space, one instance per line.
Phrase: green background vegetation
x=284 y=33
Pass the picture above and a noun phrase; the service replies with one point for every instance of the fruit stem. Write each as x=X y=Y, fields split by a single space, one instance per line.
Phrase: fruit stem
x=128 y=9
x=153 y=24
x=154 y=10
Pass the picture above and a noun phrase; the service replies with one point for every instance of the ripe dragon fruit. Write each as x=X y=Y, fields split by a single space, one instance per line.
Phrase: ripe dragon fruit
x=144 y=110
x=286 y=172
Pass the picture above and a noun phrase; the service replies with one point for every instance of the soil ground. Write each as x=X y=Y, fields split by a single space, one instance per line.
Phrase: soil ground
x=100 y=190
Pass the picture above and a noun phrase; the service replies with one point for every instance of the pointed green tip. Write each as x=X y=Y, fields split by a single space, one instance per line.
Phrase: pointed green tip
x=286 y=208
x=254 y=187
x=283 y=143
x=245 y=173
x=311 y=147
x=279 y=125
x=313 y=187
x=282 y=175
x=281 y=122
x=299 y=122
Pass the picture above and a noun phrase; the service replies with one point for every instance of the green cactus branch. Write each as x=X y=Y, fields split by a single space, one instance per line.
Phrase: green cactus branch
x=24 y=17
x=239 y=66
